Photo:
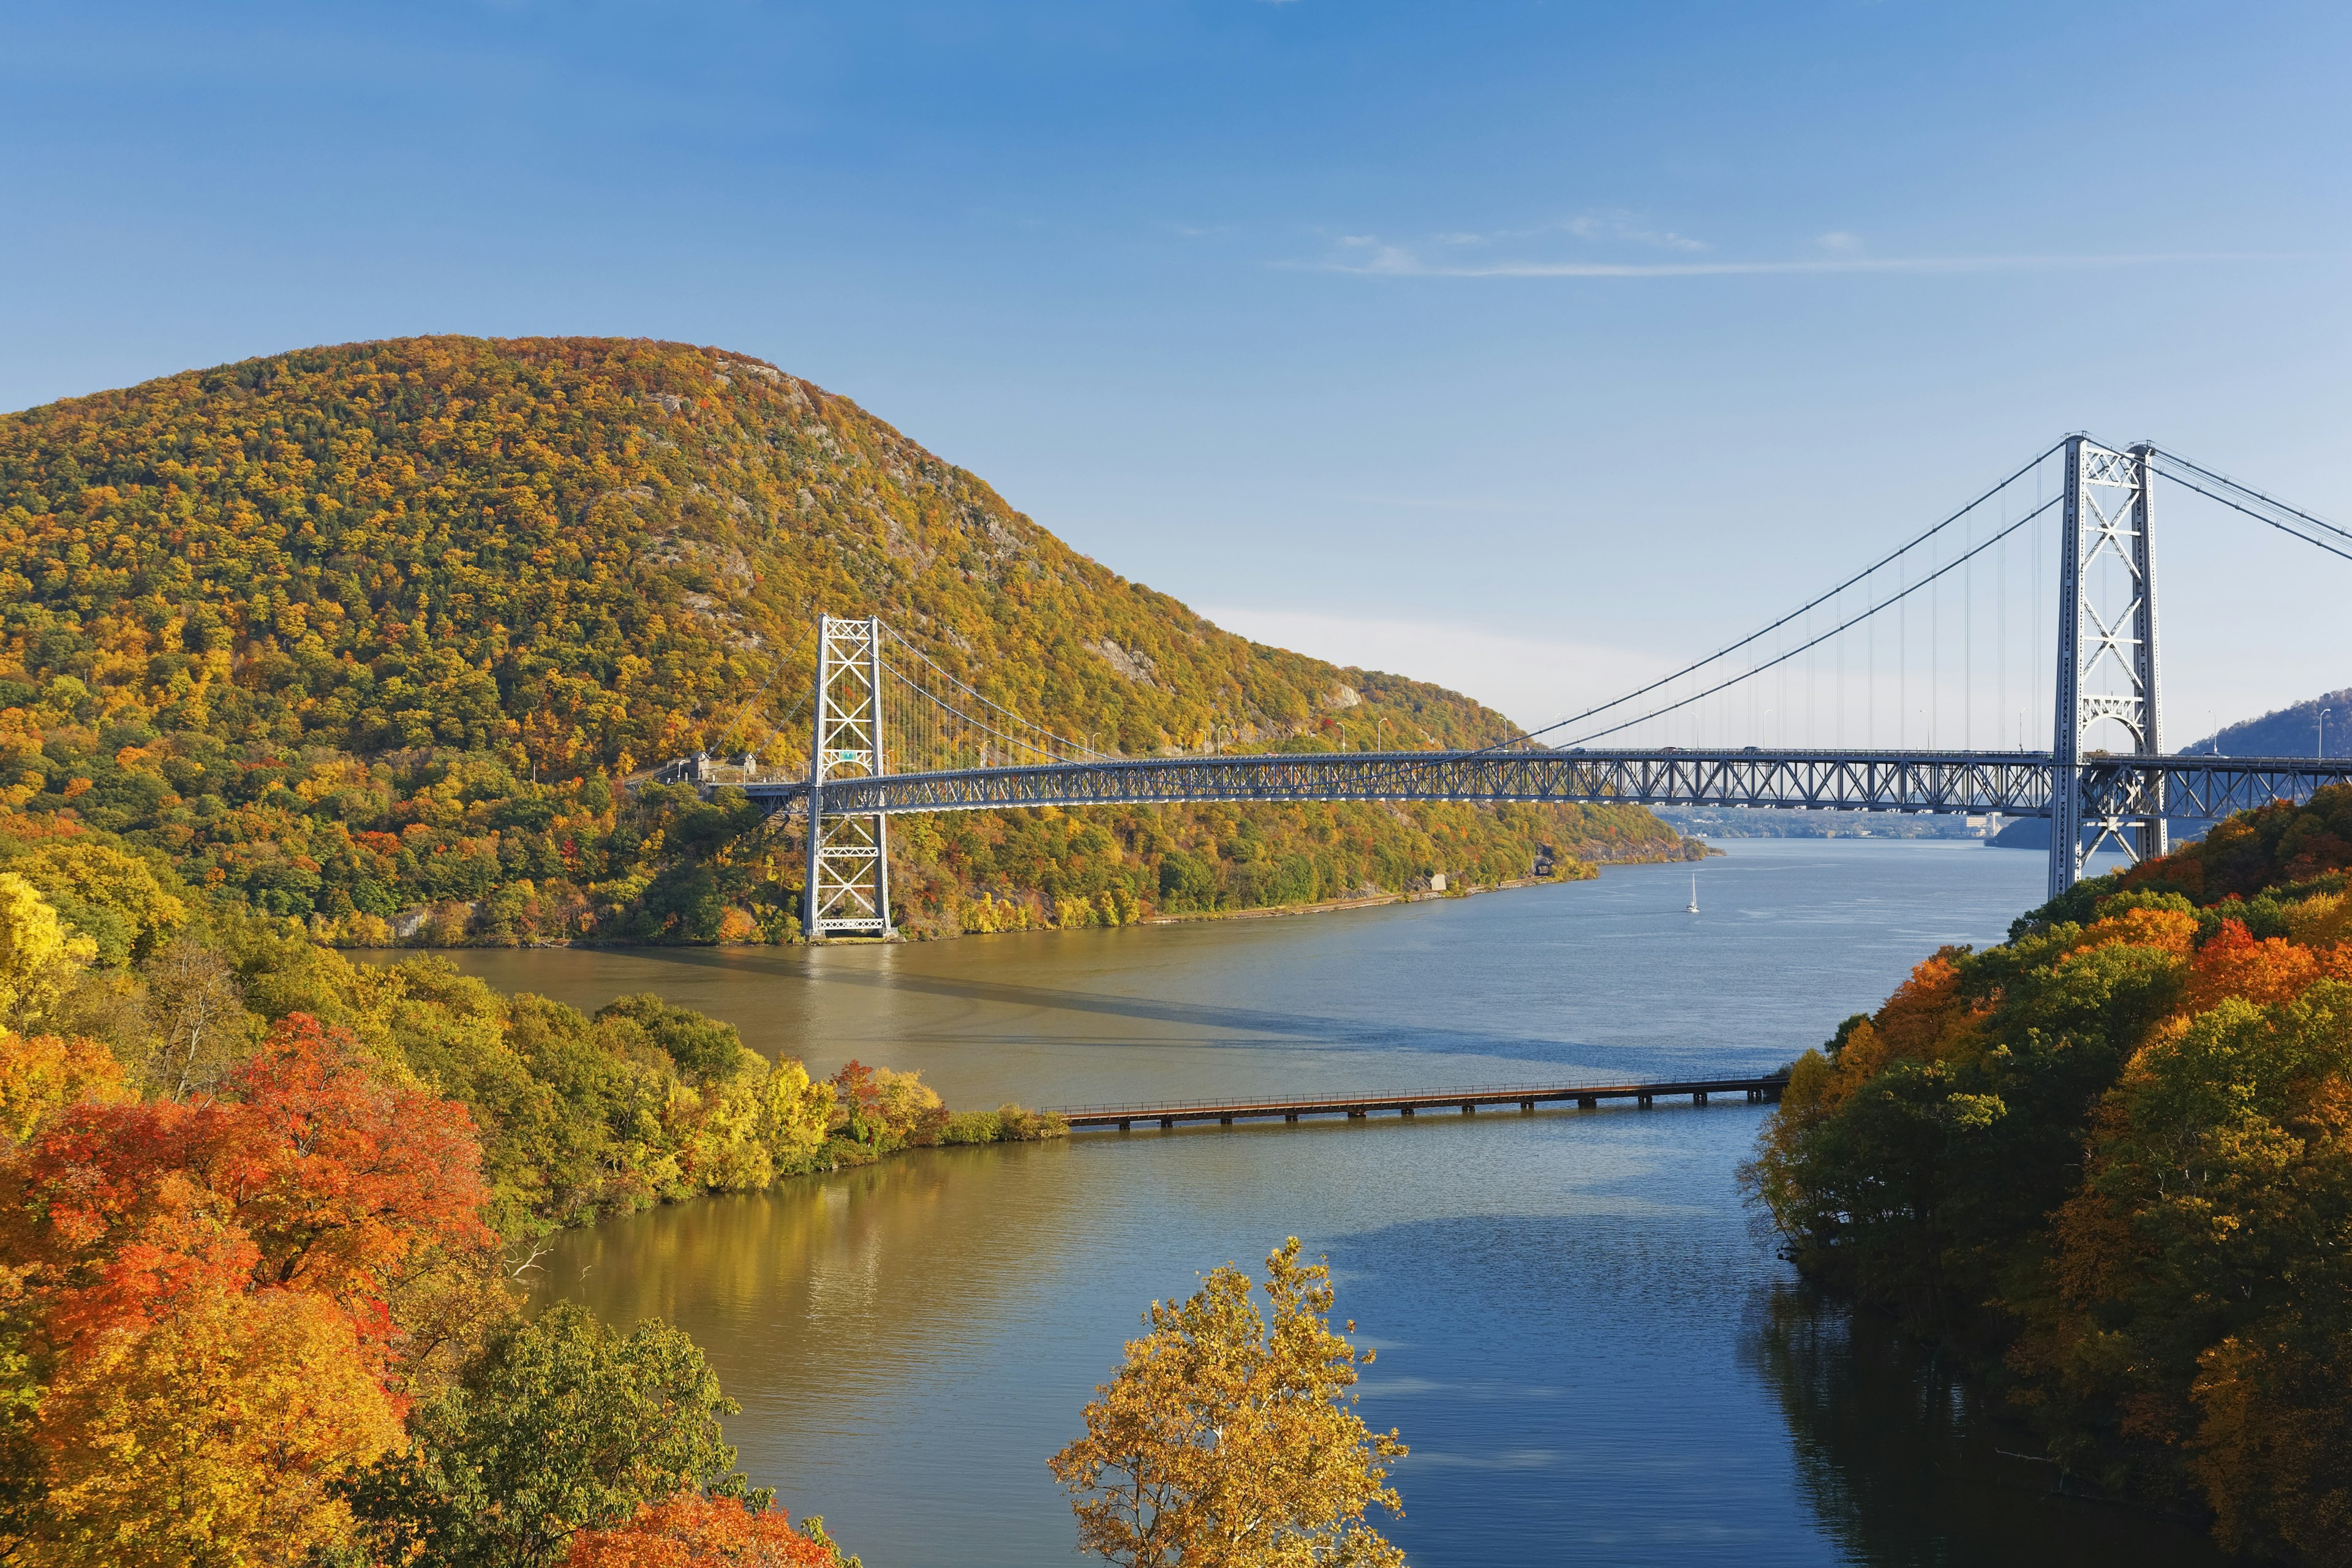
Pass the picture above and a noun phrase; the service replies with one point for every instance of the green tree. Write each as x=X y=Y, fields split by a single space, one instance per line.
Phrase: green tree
x=560 y=1425
x=1228 y=1441
x=703 y=1049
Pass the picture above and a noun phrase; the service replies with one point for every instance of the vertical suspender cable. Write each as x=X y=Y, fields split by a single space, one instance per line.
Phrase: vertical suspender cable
x=1935 y=647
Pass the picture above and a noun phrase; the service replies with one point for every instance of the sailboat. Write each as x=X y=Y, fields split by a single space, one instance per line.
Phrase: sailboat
x=1692 y=908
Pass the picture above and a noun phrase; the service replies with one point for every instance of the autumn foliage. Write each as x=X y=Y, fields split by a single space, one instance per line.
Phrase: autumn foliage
x=693 y=1531
x=211 y=1286
x=262 y=1213
x=2114 y=1156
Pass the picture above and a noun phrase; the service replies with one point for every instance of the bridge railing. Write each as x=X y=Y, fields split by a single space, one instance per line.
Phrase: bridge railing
x=1550 y=1089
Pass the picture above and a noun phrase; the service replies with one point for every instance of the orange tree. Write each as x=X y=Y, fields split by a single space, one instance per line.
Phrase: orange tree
x=272 y=1322
x=690 y=1531
x=205 y=1294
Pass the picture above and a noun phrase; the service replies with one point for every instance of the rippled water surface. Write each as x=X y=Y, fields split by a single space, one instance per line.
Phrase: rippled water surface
x=1594 y=1356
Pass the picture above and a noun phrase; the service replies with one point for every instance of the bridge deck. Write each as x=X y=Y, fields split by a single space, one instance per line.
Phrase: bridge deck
x=2012 y=784
x=1765 y=1090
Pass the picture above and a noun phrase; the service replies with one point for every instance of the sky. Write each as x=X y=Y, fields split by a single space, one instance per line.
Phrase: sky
x=1523 y=346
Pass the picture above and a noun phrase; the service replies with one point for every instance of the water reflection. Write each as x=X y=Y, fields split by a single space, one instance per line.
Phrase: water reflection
x=826 y=1293
x=1904 y=1464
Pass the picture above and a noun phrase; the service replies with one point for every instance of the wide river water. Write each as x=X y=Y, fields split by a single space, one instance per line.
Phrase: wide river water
x=1583 y=1334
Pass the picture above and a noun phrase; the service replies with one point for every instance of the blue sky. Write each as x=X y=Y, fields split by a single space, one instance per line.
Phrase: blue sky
x=1518 y=345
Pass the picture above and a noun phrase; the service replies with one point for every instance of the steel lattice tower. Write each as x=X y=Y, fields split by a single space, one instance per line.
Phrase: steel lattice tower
x=2107 y=700
x=848 y=888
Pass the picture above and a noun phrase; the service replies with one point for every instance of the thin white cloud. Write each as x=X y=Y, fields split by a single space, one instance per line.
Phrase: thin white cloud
x=1839 y=239
x=1614 y=226
x=1377 y=256
x=1370 y=257
x=1632 y=228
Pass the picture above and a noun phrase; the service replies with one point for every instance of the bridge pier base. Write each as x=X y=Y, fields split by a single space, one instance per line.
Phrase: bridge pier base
x=1290 y=1116
x=1699 y=1097
x=1224 y=1121
x=1168 y=1122
x=1587 y=1102
x=1643 y=1100
x=1357 y=1115
x=1123 y=1125
x=1468 y=1109
x=1404 y=1110
x=1528 y=1107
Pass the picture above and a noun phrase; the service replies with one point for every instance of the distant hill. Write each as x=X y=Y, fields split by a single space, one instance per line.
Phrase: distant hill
x=370 y=634
x=2287 y=732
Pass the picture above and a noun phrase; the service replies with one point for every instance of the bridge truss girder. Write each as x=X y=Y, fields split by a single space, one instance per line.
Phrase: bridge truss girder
x=2012 y=784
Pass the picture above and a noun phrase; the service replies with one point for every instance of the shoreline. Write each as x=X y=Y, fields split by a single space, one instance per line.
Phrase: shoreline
x=1368 y=902
x=1324 y=906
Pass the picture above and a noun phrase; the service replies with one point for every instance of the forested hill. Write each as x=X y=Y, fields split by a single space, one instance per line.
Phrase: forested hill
x=359 y=630
x=2291 y=732
x=588 y=552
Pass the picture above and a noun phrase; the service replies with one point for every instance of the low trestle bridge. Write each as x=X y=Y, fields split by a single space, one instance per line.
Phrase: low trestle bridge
x=1765 y=1090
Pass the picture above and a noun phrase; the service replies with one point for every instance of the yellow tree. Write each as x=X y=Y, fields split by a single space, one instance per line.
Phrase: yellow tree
x=211 y=1435
x=795 y=1115
x=1228 y=1441
x=38 y=1073
x=40 y=956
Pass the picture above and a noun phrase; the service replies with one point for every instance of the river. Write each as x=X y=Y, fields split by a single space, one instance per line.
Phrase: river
x=1585 y=1337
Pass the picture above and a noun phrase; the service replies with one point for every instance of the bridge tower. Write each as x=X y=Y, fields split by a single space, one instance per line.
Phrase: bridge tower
x=848 y=888
x=2108 y=690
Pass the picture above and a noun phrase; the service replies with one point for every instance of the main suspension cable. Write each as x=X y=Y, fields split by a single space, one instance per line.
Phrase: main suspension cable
x=1759 y=635
x=2168 y=462
x=1846 y=625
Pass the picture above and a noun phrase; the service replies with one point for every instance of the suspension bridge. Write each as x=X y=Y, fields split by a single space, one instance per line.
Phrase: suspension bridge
x=893 y=731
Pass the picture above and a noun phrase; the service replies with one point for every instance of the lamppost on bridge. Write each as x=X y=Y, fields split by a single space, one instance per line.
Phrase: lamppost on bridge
x=2321 y=751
